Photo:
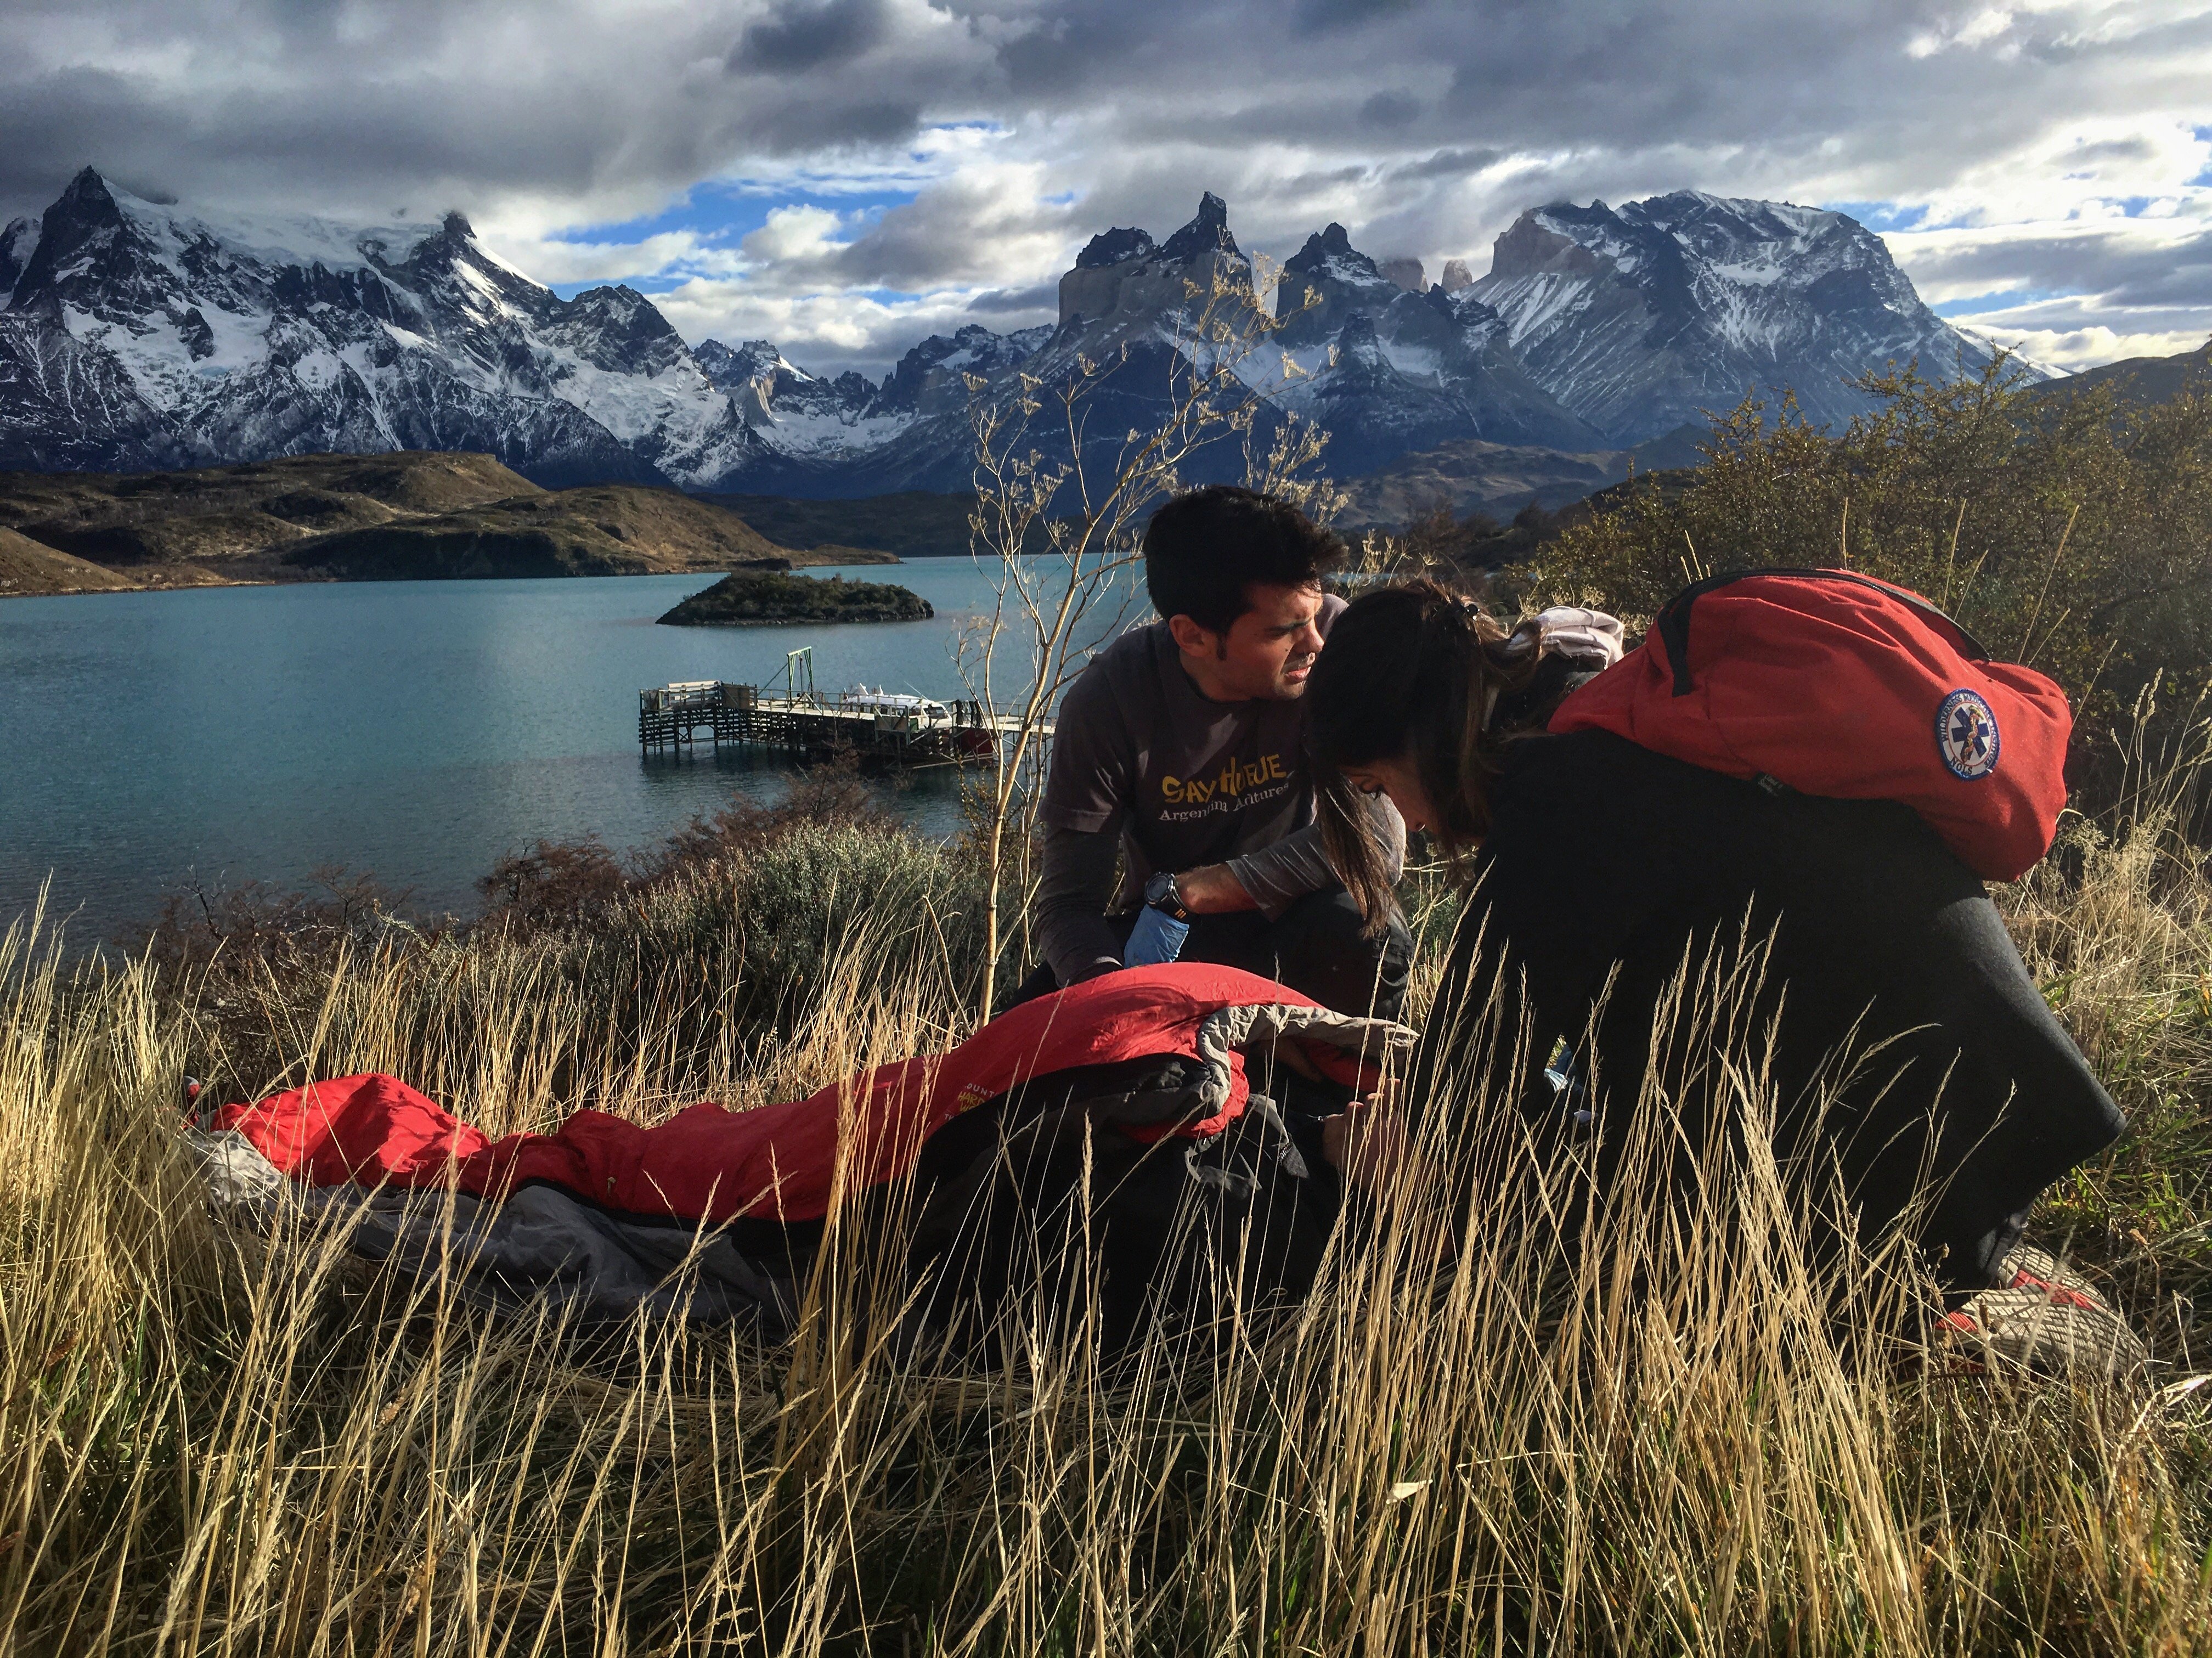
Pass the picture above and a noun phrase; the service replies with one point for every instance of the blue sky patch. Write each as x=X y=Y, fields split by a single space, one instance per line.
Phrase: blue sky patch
x=1880 y=216
x=721 y=215
x=2005 y=299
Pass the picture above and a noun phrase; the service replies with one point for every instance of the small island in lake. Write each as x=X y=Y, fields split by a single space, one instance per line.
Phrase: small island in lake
x=747 y=597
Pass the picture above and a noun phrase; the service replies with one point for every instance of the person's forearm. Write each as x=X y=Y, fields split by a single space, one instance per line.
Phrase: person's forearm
x=1213 y=890
x=1276 y=876
x=1073 y=890
x=1077 y=946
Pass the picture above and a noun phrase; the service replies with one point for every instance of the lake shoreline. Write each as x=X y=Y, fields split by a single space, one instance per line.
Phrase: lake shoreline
x=835 y=558
x=406 y=515
x=421 y=729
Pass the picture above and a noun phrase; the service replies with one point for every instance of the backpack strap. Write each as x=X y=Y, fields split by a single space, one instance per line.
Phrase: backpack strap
x=1671 y=627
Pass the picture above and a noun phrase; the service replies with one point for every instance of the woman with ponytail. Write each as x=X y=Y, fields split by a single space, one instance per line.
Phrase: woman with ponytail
x=1834 y=951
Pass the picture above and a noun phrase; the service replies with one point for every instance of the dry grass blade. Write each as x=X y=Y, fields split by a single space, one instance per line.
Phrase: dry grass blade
x=1668 y=1438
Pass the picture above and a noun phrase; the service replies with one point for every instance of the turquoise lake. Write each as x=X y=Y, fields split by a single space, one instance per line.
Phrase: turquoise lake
x=418 y=731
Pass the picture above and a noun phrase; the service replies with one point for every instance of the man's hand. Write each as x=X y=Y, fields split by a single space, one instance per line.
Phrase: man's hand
x=1368 y=1141
x=1210 y=889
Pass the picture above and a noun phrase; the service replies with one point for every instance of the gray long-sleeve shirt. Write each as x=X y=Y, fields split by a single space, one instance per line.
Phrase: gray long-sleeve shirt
x=1079 y=887
x=1148 y=773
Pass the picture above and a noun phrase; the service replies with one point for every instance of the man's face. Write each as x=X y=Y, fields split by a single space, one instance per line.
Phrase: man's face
x=1267 y=652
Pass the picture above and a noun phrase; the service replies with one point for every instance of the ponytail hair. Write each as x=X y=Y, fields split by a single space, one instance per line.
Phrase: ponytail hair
x=1411 y=673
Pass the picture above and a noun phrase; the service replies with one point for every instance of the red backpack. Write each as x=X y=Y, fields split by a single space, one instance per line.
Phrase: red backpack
x=1834 y=684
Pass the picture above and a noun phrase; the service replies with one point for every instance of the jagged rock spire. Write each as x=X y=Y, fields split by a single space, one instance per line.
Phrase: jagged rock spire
x=1206 y=233
x=1331 y=242
x=1115 y=247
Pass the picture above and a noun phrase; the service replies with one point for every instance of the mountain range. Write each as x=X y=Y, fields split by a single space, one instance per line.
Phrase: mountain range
x=138 y=336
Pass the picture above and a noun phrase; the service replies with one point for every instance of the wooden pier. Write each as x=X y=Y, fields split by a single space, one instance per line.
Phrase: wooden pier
x=877 y=726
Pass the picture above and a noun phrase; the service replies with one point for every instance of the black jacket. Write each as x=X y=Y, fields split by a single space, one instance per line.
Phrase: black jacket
x=1606 y=859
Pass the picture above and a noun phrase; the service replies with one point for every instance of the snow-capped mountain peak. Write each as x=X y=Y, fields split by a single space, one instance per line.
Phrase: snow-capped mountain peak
x=1206 y=233
x=735 y=368
x=1115 y=247
x=140 y=334
x=1643 y=318
x=1387 y=370
x=136 y=334
x=1329 y=251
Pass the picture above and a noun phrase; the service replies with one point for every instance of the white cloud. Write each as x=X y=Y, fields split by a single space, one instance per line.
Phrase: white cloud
x=795 y=233
x=1978 y=28
x=2075 y=348
x=552 y=260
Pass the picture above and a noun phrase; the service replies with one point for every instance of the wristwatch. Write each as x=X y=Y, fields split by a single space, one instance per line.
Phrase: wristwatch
x=1162 y=893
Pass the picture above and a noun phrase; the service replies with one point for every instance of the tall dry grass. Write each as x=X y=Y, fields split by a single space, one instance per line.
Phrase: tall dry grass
x=216 y=1441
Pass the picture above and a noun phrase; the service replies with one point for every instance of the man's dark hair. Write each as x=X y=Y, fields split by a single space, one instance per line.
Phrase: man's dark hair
x=1207 y=546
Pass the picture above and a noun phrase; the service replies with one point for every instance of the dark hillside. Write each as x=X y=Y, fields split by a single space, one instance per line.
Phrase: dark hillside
x=614 y=529
x=27 y=567
x=2137 y=381
x=221 y=524
x=912 y=523
x=362 y=517
x=307 y=491
x=1470 y=476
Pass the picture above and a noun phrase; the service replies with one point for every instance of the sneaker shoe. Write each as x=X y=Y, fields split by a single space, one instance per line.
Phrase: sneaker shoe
x=2046 y=1321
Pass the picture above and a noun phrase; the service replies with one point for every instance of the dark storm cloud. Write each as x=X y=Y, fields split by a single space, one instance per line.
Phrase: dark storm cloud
x=353 y=108
x=809 y=35
x=954 y=234
x=1389 y=109
x=1447 y=164
x=2112 y=149
x=563 y=98
x=2128 y=264
x=1001 y=301
x=1321 y=16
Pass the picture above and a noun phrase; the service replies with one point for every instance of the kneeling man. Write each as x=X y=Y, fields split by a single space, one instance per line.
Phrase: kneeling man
x=1181 y=751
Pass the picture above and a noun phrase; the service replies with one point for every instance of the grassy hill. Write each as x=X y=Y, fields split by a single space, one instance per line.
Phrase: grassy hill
x=408 y=514
x=912 y=523
x=231 y=1425
x=29 y=566
x=2137 y=381
x=228 y=512
x=598 y=530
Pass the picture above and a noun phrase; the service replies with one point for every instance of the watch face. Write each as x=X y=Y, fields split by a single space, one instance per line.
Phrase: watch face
x=1159 y=889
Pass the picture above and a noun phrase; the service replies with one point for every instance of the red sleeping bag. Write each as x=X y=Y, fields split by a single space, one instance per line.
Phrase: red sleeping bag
x=1838 y=685
x=778 y=1162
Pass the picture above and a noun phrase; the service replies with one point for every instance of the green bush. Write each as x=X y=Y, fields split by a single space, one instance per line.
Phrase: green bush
x=2069 y=532
x=707 y=947
x=767 y=923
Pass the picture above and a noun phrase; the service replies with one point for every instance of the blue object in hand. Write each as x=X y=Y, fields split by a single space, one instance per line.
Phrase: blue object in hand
x=1162 y=926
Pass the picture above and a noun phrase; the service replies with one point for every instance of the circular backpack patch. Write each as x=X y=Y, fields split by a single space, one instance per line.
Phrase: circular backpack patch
x=1966 y=735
